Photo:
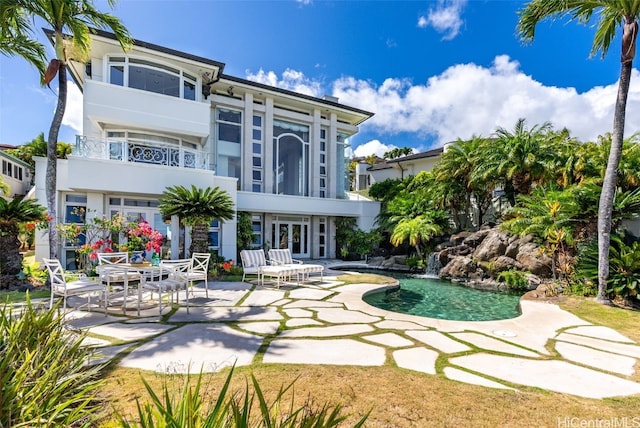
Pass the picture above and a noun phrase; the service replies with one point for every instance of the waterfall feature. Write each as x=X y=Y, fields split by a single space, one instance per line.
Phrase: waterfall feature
x=433 y=265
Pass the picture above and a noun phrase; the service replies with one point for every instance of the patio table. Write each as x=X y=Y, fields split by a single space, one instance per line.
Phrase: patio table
x=124 y=272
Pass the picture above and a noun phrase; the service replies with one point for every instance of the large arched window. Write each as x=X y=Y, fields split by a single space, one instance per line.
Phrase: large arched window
x=150 y=76
x=290 y=159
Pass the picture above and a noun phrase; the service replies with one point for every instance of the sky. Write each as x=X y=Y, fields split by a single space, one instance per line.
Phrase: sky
x=432 y=71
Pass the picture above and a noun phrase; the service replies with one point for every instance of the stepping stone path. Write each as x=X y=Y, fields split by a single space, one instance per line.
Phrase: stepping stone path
x=329 y=323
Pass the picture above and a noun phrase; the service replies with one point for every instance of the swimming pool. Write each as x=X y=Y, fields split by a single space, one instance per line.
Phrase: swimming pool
x=435 y=298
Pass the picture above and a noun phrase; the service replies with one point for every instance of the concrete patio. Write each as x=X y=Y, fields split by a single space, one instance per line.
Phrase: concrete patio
x=328 y=323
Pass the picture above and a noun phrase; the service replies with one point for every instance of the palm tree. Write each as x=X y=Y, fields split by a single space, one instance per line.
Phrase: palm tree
x=72 y=22
x=38 y=147
x=12 y=213
x=417 y=231
x=611 y=15
x=459 y=163
x=197 y=208
x=519 y=158
x=15 y=38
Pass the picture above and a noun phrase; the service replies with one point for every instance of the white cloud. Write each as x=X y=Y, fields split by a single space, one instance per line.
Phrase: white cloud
x=373 y=147
x=73 y=112
x=445 y=18
x=467 y=100
x=291 y=79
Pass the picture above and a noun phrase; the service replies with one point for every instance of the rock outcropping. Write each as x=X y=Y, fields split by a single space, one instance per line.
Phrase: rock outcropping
x=475 y=258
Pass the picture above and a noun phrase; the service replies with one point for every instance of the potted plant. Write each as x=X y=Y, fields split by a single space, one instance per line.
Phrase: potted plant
x=141 y=237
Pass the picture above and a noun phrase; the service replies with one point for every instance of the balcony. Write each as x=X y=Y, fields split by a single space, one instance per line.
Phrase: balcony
x=153 y=153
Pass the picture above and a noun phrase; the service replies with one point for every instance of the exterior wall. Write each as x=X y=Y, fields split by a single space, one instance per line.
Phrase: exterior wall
x=133 y=108
x=100 y=179
x=95 y=172
x=403 y=169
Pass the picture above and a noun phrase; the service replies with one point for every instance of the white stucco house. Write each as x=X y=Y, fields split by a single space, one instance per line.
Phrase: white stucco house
x=16 y=174
x=366 y=175
x=154 y=117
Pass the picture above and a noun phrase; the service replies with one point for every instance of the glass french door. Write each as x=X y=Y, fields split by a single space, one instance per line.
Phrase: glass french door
x=292 y=233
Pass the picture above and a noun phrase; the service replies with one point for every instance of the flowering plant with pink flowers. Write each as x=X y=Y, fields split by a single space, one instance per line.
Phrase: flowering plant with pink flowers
x=141 y=236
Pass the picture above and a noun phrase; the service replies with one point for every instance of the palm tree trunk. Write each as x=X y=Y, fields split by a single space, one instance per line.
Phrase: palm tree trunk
x=52 y=167
x=199 y=238
x=605 y=207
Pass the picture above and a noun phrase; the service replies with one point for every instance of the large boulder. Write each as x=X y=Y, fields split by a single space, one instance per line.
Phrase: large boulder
x=503 y=263
x=459 y=267
x=492 y=246
x=476 y=238
x=533 y=260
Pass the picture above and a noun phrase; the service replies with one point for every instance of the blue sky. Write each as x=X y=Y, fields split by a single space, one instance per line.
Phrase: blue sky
x=431 y=71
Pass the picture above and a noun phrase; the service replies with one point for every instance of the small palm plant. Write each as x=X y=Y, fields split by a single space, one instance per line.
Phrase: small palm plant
x=232 y=409
x=45 y=378
x=197 y=208
x=12 y=214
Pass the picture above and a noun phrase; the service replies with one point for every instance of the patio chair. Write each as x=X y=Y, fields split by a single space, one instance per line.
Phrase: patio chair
x=62 y=286
x=168 y=278
x=199 y=270
x=252 y=261
x=108 y=268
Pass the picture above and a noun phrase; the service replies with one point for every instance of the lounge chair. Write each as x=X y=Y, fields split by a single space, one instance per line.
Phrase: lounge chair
x=282 y=257
x=252 y=261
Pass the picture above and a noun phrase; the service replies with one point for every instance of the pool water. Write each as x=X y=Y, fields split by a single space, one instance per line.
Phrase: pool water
x=435 y=298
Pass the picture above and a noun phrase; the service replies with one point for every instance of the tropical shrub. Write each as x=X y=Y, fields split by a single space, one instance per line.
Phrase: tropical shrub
x=43 y=372
x=231 y=409
x=624 y=266
x=353 y=243
x=515 y=279
x=12 y=214
x=33 y=272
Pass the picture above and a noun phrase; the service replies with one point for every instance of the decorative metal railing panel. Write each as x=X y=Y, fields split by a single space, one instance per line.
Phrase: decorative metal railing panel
x=154 y=153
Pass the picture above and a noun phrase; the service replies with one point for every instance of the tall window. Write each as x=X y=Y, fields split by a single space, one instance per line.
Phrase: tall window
x=150 y=76
x=290 y=158
x=323 y=163
x=256 y=228
x=229 y=142
x=214 y=235
x=322 y=237
x=75 y=210
x=342 y=166
x=257 y=159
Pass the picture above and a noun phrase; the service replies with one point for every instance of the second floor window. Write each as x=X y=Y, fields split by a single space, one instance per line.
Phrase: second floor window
x=153 y=77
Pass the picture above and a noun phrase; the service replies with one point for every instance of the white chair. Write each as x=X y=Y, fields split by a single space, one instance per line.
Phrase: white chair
x=252 y=261
x=166 y=278
x=282 y=257
x=81 y=285
x=108 y=268
x=199 y=270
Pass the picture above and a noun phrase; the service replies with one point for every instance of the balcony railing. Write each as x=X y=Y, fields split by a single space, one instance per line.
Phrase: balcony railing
x=154 y=153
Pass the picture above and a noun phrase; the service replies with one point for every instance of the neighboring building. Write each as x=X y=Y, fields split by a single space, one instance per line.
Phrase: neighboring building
x=401 y=167
x=155 y=117
x=16 y=173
